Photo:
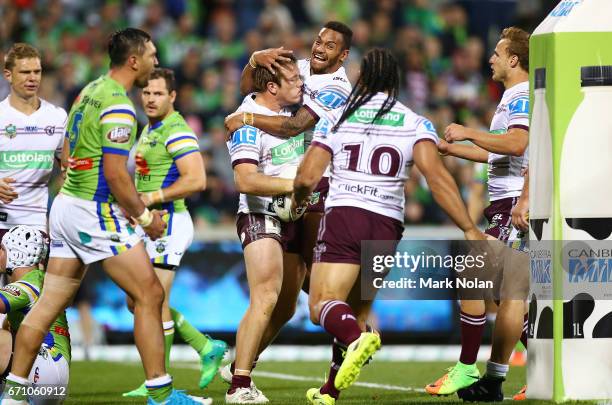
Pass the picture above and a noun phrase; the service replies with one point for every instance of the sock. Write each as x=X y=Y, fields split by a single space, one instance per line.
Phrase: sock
x=159 y=388
x=190 y=335
x=239 y=381
x=497 y=370
x=525 y=329
x=338 y=319
x=13 y=381
x=329 y=388
x=233 y=365
x=472 y=327
x=168 y=339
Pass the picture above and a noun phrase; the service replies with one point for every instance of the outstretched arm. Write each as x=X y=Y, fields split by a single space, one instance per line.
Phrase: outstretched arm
x=470 y=152
x=278 y=125
x=512 y=143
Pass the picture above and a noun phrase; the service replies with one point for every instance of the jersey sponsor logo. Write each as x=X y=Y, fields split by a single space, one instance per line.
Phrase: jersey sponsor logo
x=519 y=106
x=3 y=216
x=29 y=128
x=119 y=134
x=366 y=115
x=342 y=79
x=92 y=101
x=288 y=151
x=26 y=159
x=11 y=131
x=80 y=164
x=429 y=126
x=329 y=98
x=142 y=167
x=322 y=128
x=10 y=289
x=247 y=135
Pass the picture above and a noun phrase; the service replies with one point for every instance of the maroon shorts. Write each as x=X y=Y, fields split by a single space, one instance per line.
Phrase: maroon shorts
x=2 y=232
x=343 y=228
x=499 y=216
x=319 y=195
x=252 y=227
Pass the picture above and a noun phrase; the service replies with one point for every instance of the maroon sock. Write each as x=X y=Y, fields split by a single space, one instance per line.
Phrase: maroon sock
x=337 y=359
x=338 y=319
x=239 y=381
x=525 y=329
x=472 y=327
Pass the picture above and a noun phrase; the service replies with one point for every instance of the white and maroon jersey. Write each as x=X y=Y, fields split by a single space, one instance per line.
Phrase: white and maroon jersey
x=271 y=154
x=371 y=162
x=505 y=178
x=29 y=144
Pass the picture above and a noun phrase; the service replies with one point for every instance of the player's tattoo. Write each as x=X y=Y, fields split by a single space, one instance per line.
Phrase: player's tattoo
x=300 y=122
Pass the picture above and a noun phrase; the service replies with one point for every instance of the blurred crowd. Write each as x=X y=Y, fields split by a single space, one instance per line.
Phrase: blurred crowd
x=442 y=45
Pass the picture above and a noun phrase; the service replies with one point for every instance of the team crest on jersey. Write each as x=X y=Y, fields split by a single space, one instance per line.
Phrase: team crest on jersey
x=14 y=291
x=11 y=131
x=119 y=134
x=160 y=246
x=50 y=130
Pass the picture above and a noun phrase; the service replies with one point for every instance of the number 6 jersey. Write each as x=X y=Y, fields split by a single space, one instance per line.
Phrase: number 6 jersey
x=371 y=161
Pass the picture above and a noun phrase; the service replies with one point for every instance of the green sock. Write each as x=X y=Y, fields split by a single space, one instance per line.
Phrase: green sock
x=190 y=335
x=168 y=339
x=159 y=388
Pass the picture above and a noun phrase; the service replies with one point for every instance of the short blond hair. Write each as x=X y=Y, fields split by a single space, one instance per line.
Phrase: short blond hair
x=19 y=50
x=518 y=44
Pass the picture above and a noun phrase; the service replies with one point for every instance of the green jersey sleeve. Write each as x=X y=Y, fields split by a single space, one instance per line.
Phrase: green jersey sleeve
x=118 y=125
x=18 y=295
x=181 y=141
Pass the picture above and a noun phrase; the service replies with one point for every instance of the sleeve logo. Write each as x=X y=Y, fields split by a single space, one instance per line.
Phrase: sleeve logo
x=519 y=106
x=119 y=134
x=330 y=98
x=14 y=291
x=247 y=135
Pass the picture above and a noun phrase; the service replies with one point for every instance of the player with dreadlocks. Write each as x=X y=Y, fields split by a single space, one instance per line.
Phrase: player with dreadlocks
x=371 y=145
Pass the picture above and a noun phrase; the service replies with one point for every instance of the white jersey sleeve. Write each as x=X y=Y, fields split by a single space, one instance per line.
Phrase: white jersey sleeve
x=244 y=145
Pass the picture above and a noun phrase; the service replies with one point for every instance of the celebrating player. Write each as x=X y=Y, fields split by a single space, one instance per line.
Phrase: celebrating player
x=379 y=152
x=169 y=168
x=326 y=87
x=31 y=136
x=87 y=225
x=505 y=149
x=21 y=250
x=274 y=277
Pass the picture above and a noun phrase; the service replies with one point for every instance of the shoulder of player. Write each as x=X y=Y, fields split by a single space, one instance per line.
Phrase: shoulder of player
x=29 y=287
x=55 y=109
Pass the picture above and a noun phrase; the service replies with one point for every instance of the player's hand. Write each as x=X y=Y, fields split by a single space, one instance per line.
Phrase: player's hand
x=270 y=58
x=156 y=229
x=520 y=215
x=443 y=147
x=7 y=193
x=232 y=123
x=455 y=132
x=127 y=216
x=297 y=210
x=145 y=199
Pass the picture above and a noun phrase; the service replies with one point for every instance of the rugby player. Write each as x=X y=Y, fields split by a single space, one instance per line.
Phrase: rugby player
x=87 y=225
x=326 y=87
x=274 y=277
x=31 y=139
x=377 y=151
x=504 y=148
x=21 y=250
x=169 y=168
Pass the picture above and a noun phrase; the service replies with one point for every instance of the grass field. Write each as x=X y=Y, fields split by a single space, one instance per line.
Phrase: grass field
x=282 y=382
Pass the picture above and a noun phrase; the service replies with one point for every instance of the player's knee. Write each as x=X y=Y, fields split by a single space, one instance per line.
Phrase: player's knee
x=315 y=311
x=151 y=294
x=265 y=301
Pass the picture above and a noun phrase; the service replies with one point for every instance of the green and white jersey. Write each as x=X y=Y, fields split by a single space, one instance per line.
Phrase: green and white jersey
x=20 y=296
x=28 y=146
x=159 y=147
x=272 y=155
x=101 y=120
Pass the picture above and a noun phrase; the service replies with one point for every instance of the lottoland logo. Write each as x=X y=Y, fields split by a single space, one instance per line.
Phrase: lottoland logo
x=288 y=151
x=26 y=159
x=366 y=115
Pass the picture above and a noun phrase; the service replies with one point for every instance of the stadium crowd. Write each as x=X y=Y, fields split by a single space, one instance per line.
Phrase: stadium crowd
x=439 y=44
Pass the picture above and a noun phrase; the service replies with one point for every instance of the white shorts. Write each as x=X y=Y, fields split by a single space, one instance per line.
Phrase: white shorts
x=169 y=249
x=88 y=230
x=49 y=372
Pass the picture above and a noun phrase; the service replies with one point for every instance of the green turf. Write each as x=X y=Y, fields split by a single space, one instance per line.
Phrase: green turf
x=103 y=382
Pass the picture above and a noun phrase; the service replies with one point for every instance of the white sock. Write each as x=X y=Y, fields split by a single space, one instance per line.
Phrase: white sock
x=159 y=381
x=497 y=370
x=168 y=327
x=19 y=380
